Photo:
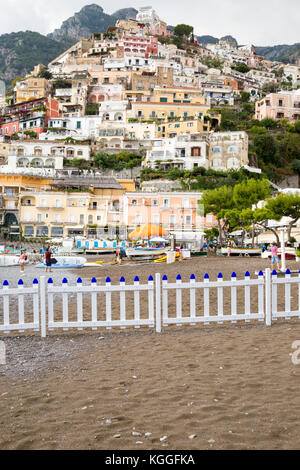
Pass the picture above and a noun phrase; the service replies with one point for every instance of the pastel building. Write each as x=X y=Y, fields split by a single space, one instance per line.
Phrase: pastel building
x=44 y=154
x=174 y=211
x=282 y=105
x=228 y=150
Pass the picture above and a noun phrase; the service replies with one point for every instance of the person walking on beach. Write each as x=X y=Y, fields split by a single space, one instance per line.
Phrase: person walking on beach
x=48 y=260
x=275 y=257
x=22 y=260
x=229 y=249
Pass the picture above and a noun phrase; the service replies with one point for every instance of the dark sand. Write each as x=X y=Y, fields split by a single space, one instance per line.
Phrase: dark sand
x=230 y=386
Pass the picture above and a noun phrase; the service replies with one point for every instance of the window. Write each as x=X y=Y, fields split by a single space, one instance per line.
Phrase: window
x=57 y=231
x=134 y=202
x=280 y=103
x=155 y=202
x=166 y=203
x=42 y=231
x=140 y=85
x=81 y=219
x=29 y=231
x=78 y=124
x=216 y=150
x=233 y=149
x=57 y=218
x=58 y=203
x=172 y=219
x=188 y=219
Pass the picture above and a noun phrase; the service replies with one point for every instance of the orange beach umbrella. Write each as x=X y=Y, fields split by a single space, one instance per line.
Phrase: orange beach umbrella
x=146 y=231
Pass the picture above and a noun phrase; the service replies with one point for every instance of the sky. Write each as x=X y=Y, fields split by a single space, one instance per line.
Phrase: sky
x=260 y=22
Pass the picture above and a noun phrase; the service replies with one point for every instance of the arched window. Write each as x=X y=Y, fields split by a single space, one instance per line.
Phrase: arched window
x=233 y=149
x=216 y=150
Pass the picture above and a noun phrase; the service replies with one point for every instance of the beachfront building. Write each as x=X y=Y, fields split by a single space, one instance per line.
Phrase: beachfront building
x=94 y=205
x=11 y=185
x=175 y=211
x=281 y=105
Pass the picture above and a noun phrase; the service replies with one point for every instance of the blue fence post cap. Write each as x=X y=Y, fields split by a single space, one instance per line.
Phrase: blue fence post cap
x=193 y=277
x=65 y=280
x=136 y=279
x=261 y=273
x=122 y=279
x=220 y=276
x=108 y=279
x=150 y=278
x=178 y=278
x=50 y=281
x=247 y=274
x=233 y=275
x=35 y=281
x=79 y=280
x=165 y=278
x=94 y=280
x=274 y=273
x=5 y=283
x=20 y=283
x=206 y=276
x=288 y=271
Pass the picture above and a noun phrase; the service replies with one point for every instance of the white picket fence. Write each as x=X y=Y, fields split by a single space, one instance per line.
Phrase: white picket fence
x=47 y=307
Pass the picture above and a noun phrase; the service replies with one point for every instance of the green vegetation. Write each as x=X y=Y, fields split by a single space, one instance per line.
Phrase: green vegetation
x=118 y=162
x=92 y=109
x=23 y=50
x=199 y=178
x=233 y=206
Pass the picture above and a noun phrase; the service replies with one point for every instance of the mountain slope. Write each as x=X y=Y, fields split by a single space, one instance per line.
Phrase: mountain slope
x=281 y=53
x=20 y=52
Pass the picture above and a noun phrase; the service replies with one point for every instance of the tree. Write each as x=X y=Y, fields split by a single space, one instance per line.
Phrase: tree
x=242 y=68
x=239 y=219
x=261 y=218
x=183 y=30
x=216 y=201
x=297 y=127
x=44 y=73
x=285 y=205
x=92 y=109
x=267 y=149
x=269 y=123
x=247 y=194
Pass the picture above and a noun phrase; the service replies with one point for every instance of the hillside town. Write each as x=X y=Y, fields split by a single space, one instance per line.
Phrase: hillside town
x=116 y=122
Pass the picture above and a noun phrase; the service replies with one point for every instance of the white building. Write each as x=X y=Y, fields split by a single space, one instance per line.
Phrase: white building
x=44 y=154
x=110 y=111
x=184 y=152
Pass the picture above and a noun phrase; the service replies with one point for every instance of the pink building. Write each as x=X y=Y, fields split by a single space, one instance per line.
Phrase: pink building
x=174 y=211
x=285 y=104
x=144 y=45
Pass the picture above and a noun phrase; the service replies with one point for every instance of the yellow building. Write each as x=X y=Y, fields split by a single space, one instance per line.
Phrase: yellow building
x=31 y=89
x=74 y=206
x=160 y=110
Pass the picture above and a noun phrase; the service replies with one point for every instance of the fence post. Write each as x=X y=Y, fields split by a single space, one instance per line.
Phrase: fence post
x=158 y=303
x=268 y=287
x=43 y=305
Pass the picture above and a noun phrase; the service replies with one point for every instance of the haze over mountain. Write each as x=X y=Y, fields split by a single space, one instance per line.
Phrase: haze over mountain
x=20 y=51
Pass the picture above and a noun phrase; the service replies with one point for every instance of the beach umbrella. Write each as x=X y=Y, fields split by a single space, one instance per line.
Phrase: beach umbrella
x=147 y=231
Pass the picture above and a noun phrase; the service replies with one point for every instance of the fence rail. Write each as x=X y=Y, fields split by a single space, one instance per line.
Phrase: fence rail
x=158 y=303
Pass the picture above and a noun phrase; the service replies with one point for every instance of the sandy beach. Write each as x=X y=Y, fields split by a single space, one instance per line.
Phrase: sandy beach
x=203 y=387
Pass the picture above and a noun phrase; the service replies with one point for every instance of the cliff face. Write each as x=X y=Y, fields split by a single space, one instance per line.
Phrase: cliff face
x=125 y=14
x=90 y=19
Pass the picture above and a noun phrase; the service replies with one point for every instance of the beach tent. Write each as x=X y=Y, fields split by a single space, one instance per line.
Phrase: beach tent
x=147 y=231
